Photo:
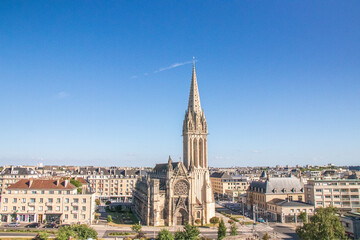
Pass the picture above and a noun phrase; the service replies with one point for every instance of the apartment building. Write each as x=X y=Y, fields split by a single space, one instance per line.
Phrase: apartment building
x=224 y=183
x=112 y=184
x=351 y=223
x=50 y=200
x=340 y=193
x=261 y=192
x=10 y=175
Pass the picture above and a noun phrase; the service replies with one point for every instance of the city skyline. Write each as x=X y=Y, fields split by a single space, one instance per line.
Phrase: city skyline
x=108 y=83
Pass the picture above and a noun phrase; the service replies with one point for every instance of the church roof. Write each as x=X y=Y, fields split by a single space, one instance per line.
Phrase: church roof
x=160 y=167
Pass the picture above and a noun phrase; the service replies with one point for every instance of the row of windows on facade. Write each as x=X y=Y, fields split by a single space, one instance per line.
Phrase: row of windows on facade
x=40 y=192
x=336 y=190
x=111 y=176
x=49 y=200
x=41 y=208
x=354 y=197
x=111 y=180
x=291 y=210
x=347 y=204
x=335 y=183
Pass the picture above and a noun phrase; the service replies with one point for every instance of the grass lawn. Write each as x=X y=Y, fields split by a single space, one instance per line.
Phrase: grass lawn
x=123 y=217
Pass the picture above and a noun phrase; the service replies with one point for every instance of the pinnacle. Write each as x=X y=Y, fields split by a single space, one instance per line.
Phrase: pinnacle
x=194 y=97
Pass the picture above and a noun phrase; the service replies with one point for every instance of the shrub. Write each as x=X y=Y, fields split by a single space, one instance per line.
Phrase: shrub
x=42 y=236
x=109 y=219
x=214 y=220
x=108 y=202
x=221 y=230
x=164 y=234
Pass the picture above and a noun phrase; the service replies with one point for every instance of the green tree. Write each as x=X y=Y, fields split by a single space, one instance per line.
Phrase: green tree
x=189 y=233
x=233 y=229
x=303 y=217
x=76 y=231
x=164 y=234
x=136 y=228
x=108 y=202
x=221 y=230
x=75 y=182
x=42 y=236
x=266 y=236
x=214 y=220
x=325 y=225
x=109 y=219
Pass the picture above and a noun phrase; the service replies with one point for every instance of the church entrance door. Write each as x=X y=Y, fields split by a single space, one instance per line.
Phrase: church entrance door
x=181 y=217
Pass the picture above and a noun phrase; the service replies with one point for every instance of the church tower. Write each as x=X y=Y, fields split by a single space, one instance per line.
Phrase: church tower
x=195 y=152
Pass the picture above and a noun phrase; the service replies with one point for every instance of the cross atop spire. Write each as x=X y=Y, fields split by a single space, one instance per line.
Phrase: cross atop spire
x=194 y=97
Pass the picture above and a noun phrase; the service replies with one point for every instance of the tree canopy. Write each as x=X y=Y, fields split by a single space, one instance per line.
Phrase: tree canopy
x=76 y=231
x=325 y=225
x=221 y=230
x=189 y=233
x=164 y=234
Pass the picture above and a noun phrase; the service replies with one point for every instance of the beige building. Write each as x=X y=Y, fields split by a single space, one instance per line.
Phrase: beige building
x=10 y=175
x=261 y=192
x=224 y=183
x=175 y=193
x=340 y=193
x=36 y=200
x=112 y=184
x=284 y=211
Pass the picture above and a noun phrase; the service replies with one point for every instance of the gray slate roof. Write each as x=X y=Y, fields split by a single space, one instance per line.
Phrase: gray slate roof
x=277 y=185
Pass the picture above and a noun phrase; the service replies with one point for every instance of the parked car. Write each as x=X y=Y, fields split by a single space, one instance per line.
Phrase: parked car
x=13 y=224
x=261 y=220
x=50 y=225
x=33 y=225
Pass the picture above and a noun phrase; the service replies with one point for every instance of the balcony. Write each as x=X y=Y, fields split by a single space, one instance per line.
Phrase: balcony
x=74 y=211
x=49 y=203
x=31 y=203
x=75 y=204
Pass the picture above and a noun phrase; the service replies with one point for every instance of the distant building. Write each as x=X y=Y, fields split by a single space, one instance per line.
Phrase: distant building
x=340 y=193
x=261 y=192
x=224 y=183
x=36 y=200
x=351 y=223
x=175 y=193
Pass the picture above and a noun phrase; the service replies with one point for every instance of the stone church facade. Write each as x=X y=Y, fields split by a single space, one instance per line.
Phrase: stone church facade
x=174 y=193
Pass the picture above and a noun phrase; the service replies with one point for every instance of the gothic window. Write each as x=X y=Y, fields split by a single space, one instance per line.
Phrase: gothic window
x=198 y=214
x=181 y=188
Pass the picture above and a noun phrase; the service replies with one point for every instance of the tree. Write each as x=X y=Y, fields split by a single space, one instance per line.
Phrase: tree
x=221 y=230
x=325 y=225
x=266 y=236
x=136 y=228
x=42 y=236
x=214 y=220
x=97 y=202
x=164 y=234
x=189 y=233
x=109 y=219
x=108 y=202
x=76 y=231
x=303 y=217
x=233 y=229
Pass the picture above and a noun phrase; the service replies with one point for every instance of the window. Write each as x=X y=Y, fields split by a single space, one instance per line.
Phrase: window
x=15 y=200
x=51 y=192
x=291 y=210
x=49 y=208
x=66 y=200
x=34 y=192
x=75 y=208
x=290 y=198
x=41 y=208
x=42 y=192
x=41 y=200
x=5 y=208
x=23 y=208
x=66 y=216
x=31 y=208
x=82 y=216
x=5 y=200
x=50 y=200
x=74 y=216
x=66 y=208
x=58 y=200
x=57 y=208
x=59 y=192
x=75 y=200
x=14 y=208
x=84 y=208
x=84 y=200
x=300 y=198
x=23 y=200
x=32 y=200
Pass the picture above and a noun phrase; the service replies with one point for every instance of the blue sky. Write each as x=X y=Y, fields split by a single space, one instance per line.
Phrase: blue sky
x=107 y=83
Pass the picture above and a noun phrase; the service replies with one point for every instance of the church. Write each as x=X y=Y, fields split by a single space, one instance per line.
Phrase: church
x=175 y=193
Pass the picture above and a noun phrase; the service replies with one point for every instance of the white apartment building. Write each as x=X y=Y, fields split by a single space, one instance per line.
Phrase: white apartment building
x=340 y=193
x=46 y=200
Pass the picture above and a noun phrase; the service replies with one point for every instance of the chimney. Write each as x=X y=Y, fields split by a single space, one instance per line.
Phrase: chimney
x=66 y=182
x=57 y=182
x=30 y=182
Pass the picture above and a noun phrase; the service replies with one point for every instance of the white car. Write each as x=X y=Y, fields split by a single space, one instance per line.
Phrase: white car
x=13 y=224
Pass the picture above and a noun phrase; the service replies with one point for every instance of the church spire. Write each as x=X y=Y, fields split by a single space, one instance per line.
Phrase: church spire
x=194 y=97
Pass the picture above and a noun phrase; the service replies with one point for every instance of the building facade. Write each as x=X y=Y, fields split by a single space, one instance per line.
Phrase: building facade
x=38 y=200
x=175 y=193
x=340 y=193
x=261 y=192
x=226 y=184
x=285 y=211
x=11 y=174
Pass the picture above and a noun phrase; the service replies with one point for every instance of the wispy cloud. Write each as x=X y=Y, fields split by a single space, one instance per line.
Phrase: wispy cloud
x=62 y=95
x=173 y=66
x=134 y=76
